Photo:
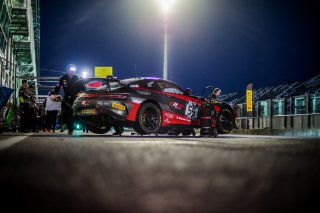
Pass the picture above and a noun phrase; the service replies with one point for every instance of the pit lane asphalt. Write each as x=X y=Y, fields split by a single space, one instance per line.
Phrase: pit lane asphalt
x=46 y=172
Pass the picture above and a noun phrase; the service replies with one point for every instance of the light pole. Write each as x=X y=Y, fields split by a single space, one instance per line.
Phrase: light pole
x=166 y=7
x=165 y=48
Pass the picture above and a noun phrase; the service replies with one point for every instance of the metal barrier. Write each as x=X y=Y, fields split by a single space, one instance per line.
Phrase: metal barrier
x=293 y=121
x=298 y=112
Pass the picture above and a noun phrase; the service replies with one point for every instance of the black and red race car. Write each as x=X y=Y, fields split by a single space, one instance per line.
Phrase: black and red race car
x=149 y=105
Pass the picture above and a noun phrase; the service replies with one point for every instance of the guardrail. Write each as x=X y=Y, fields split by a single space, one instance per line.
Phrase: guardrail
x=292 y=121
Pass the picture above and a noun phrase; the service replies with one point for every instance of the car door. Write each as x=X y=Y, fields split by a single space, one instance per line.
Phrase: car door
x=182 y=109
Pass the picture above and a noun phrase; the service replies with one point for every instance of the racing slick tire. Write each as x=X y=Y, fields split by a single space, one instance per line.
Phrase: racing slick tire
x=99 y=129
x=149 y=119
x=225 y=121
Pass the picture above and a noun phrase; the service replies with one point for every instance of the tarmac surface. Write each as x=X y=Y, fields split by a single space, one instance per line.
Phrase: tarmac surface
x=54 y=172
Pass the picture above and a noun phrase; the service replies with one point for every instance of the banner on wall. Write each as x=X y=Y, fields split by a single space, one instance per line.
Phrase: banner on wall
x=5 y=94
x=249 y=98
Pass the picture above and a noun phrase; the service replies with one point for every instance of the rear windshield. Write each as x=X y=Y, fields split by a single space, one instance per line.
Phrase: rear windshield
x=129 y=81
x=102 y=84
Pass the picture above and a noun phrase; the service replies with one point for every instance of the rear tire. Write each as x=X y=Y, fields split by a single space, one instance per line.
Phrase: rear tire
x=99 y=129
x=149 y=119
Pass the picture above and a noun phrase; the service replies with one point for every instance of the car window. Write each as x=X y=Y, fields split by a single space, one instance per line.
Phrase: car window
x=129 y=81
x=102 y=84
x=170 y=87
x=114 y=85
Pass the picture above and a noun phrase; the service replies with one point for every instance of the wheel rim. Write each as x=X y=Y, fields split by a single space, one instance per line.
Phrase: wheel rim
x=150 y=118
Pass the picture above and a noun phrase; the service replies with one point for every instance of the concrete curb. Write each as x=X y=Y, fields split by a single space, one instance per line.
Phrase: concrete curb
x=282 y=132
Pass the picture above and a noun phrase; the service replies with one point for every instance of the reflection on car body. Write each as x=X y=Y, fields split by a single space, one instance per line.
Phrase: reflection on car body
x=149 y=105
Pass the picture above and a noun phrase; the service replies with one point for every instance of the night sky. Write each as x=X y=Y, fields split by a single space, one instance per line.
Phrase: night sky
x=225 y=43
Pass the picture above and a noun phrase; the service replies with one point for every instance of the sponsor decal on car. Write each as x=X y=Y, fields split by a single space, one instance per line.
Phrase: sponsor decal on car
x=176 y=105
x=88 y=112
x=118 y=106
x=141 y=92
x=103 y=103
x=183 y=119
x=85 y=103
x=168 y=115
x=134 y=86
x=192 y=110
x=166 y=120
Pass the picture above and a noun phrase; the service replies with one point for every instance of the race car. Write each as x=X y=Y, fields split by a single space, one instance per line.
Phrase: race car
x=149 y=105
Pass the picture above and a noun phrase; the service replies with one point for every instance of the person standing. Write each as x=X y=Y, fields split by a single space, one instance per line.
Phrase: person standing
x=118 y=130
x=32 y=109
x=42 y=116
x=24 y=103
x=52 y=108
x=215 y=93
x=72 y=86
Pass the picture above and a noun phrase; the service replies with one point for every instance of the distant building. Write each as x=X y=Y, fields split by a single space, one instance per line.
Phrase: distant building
x=19 y=40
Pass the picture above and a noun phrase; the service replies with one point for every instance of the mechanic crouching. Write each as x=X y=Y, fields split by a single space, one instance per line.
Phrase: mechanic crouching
x=208 y=117
x=72 y=86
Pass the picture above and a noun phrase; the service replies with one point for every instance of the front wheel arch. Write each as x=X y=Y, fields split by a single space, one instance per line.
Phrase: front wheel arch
x=149 y=118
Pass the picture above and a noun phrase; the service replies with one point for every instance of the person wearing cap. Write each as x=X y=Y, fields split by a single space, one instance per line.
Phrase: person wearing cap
x=72 y=86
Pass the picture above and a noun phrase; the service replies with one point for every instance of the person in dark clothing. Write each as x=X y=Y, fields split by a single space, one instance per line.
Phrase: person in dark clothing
x=23 y=105
x=215 y=93
x=84 y=128
x=118 y=130
x=32 y=110
x=42 y=116
x=72 y=86
x=24 y=98
x=60 y=121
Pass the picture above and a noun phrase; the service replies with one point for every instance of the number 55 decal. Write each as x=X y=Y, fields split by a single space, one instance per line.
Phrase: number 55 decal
x=192 y=110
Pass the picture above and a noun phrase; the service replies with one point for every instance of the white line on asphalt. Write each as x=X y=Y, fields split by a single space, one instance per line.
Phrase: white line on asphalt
x=11 y=141
x=153 y=142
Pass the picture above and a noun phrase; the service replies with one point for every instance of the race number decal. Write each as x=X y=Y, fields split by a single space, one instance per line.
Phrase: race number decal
x=192 y=110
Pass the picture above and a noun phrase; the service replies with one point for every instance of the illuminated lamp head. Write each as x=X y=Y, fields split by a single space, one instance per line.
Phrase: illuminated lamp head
x=71 y=69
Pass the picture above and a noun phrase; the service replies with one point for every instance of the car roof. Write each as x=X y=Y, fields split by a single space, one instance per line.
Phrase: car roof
x=138 y=79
